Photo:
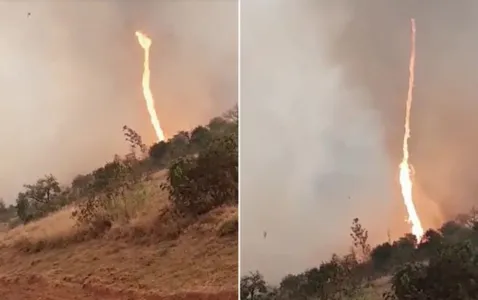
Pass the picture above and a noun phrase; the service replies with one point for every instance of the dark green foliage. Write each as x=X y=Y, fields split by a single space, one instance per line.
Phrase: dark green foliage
x=9 y=214
x=111 y=179
x=296 y=286
x=404 y=248
x=187 y=143
x=252 y=286
x=44 y=190
x=159 y=151
x=336 y=279
x=450 y=275
x=134 y=140
x=443 y=266
x=202 y=175
x=359 y=237
x=179 y=145
x=108 y=182
x=3 y=206
x=453 y=232
x=218 y=124
x=382 y=256
x=23 y=208
x=432 y=241
x=80 y=185
x=198 y=184
x=39 y=199
x=200 y=137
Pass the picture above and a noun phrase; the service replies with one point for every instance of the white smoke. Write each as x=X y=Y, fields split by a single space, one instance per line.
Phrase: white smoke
x=311 y=158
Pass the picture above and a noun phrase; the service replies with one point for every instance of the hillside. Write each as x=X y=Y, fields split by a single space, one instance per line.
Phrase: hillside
x=132 y=232
x=198 y=260
x=441 y=265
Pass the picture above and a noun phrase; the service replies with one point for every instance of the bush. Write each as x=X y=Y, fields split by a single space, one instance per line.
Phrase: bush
x=106 y=191
x=451 y=274
x=39 y=199
x=228 y=227
x=443 y=265
x=198 y=184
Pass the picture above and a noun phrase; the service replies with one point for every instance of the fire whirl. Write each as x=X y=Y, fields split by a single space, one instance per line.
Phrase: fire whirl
x=405 y=167
x=145 y=43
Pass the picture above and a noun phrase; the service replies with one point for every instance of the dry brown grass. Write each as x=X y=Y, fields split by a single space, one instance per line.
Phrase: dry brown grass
x=57 y=225
x=150 y=249
x=377 y=288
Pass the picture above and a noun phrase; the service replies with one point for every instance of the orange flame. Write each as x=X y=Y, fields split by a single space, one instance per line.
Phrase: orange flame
x=145 y=43
x=405 y=168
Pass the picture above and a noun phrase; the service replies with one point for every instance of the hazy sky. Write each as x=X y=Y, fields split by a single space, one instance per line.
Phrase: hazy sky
x=322 y=108
x=71 y=78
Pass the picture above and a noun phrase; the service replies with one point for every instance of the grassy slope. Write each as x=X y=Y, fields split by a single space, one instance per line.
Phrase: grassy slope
x=133 y=256
x=377 y=288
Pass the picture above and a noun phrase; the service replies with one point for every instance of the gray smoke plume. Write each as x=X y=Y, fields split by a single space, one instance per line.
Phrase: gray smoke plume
x=373 y=52
x=71 y=78
x=323 y=100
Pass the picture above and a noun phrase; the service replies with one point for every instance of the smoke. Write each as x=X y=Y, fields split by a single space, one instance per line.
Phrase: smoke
x=71 y=78
x=323 y=103
x=312 y=155
x=373 y=53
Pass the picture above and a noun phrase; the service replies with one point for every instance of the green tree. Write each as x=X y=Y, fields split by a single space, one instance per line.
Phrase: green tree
x=159 y=151
x=23 y=208
x=252 y=286
x=109 y=183
x=44 y=190
x=232 y=115
x=452 y=274
x=382 y=257
x=405 y=248
x=111 y=179
x=38 y=199
x=218 y=125
x=199 y=184
x=135 y=141
x=359 y=237
x=431 y=243
x=179 y=144
x=200 y=137
x=80 y=184
x=294 y=287
x=3 y=206
x=454 y=232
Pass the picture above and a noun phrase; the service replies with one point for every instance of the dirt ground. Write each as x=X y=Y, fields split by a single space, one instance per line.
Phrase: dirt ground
x=199 y=264
x=40 y=260
x=37 y=289
x=189 y=268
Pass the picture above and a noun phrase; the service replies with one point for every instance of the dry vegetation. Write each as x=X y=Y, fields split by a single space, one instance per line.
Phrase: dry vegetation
x=148 y=247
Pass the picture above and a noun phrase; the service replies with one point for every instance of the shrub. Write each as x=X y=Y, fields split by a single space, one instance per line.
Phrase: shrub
x=198 y=184
x=108 y=188
x=451 y=274
x=228 y=227
x=39 y=199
